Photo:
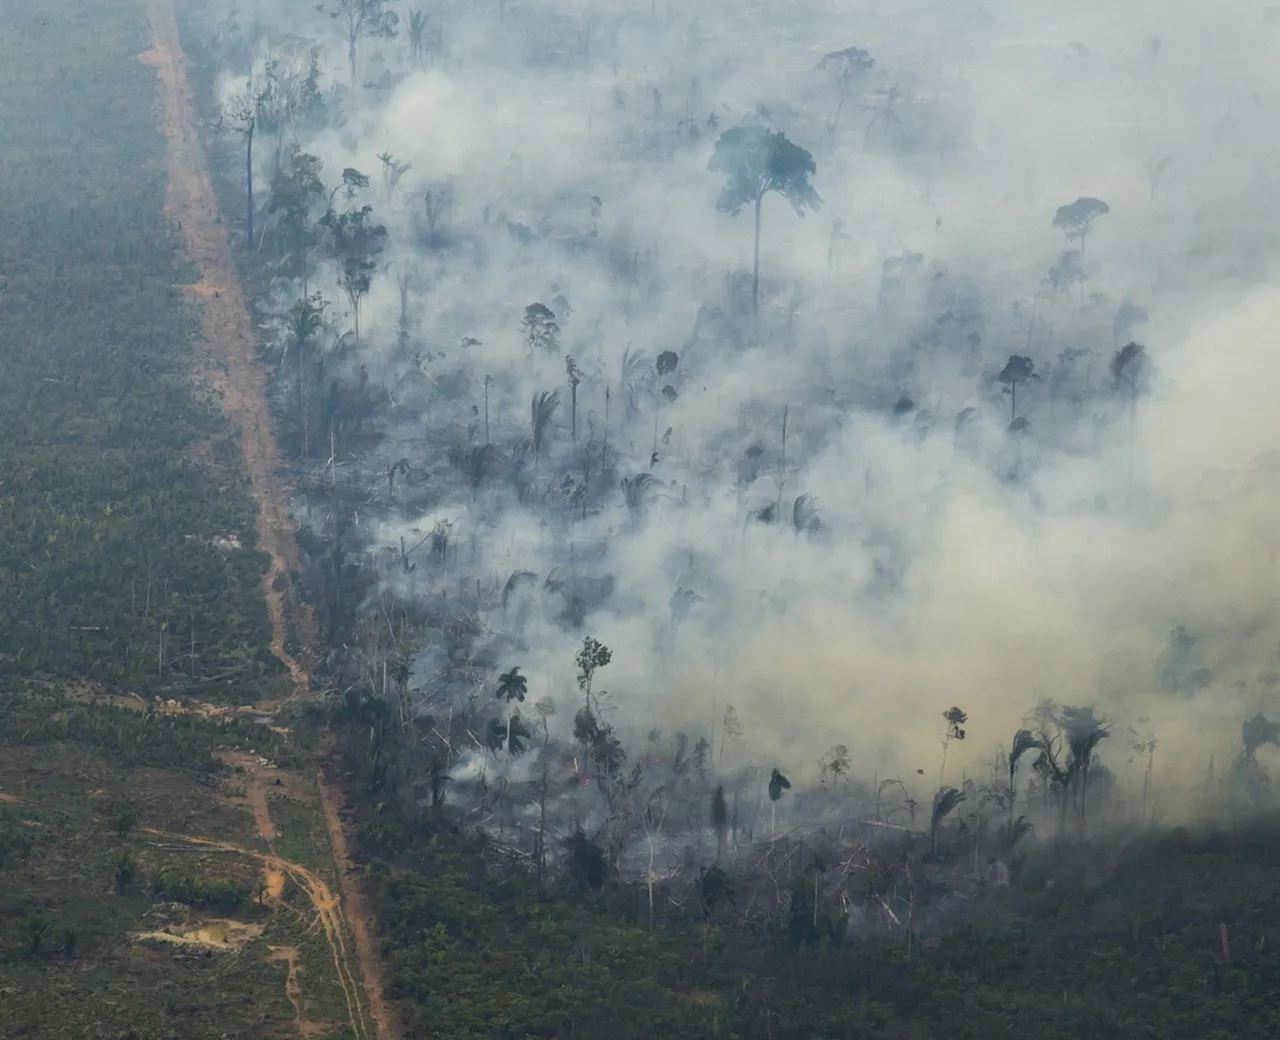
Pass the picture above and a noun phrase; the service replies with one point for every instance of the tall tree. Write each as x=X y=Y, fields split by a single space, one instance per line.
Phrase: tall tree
x=244 y=110
x=418 y=28
x=541 y=331
x=1076 y=221
x=1017 y=371
x=756 y=161
x=512 y=687
x=574 y=374
x=356 y=242
x=1084 y=730
x=295 y=197
x=845 y=68
x=306 y=319
x=363 y=20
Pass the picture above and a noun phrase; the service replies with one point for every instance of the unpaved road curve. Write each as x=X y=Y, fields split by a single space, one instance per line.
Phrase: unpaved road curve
x=232 y=366
x=323 y=901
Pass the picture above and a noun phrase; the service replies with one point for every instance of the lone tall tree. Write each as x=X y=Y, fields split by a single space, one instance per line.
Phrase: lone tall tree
x=1017 y=371
x=512 y=686
x=244 y=109
x=363 y=19
x=755 y=161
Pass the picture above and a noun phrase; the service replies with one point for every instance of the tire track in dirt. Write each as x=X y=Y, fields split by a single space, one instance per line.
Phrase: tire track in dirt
x=365 y=952
x=327 y=906
x=233 y=368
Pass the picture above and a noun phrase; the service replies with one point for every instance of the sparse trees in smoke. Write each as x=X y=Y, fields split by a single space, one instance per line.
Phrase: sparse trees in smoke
x=846 y=68
x=420 y=32
x=1018 y=371
x=355 y=242
x=834 y=766
x=363 y=20
x=437 y=201
x=1144 y=748
x=393 y=170
x=408 y=277
x=1075 y=221
x=730 y=729
x=1130 y=371
x=756 y=161
x=1128 y=317
x=541 y=332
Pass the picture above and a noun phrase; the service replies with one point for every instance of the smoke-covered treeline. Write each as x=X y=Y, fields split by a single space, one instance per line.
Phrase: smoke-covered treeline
x=718 y=420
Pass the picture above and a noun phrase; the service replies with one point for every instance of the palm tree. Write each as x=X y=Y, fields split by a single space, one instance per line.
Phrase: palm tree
x=418 y=34
x=635 y=489
x=1085 y=731
x=306 y=319
x=804 y=515
x=1023 y=741
x=944 y=803
x=542 y=410
x=512 y=686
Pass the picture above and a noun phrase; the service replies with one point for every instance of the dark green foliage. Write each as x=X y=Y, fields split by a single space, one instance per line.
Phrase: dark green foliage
x=222 y=894
x=755 y=161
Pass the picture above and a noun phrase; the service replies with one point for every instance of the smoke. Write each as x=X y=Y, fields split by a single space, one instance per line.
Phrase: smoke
x=955 y=560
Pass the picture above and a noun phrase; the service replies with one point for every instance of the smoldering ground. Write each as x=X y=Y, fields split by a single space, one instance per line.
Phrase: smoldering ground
x=558 y=153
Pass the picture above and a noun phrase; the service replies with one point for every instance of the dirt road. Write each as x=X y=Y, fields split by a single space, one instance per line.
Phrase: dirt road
x=230 y=357
x=230 y=364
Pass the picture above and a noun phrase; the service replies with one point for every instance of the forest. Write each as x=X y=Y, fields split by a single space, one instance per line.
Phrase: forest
x=787 y=496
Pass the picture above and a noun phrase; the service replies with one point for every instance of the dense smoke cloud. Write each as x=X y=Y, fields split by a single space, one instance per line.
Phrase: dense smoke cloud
x=955 y=560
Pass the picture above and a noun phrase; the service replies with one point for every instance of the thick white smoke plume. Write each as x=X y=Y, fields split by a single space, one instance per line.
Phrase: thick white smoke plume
x=1113 y=549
